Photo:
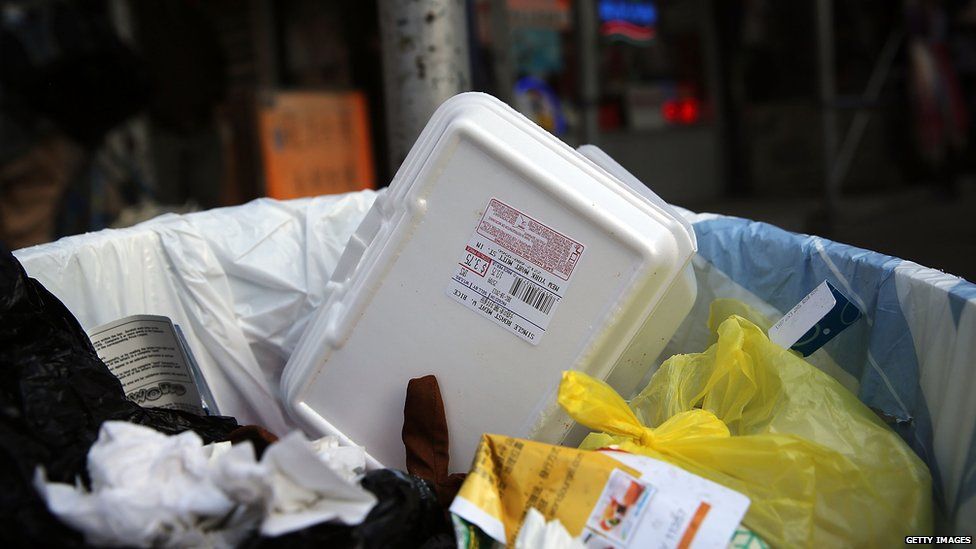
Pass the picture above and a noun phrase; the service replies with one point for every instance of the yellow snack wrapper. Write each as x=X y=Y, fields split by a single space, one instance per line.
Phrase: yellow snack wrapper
x=607 y=498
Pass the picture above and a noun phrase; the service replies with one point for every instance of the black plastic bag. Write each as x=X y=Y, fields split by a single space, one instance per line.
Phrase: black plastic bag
x=54 y=395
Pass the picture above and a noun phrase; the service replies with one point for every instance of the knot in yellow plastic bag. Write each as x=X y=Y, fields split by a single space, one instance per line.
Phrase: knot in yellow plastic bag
x=819 y=467
x=597 y=406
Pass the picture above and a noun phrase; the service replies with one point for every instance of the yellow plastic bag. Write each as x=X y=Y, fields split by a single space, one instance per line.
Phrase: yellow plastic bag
x=820 y=468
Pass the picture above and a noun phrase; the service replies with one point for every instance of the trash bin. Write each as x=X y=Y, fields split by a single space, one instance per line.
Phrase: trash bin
x=244 y=280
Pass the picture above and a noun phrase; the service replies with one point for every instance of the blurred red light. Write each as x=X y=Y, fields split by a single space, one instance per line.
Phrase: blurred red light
x=670 y=110
x=681 y=111
x=690 y=110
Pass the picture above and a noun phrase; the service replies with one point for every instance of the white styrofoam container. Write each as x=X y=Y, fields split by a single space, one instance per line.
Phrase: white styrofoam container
x=577 y=271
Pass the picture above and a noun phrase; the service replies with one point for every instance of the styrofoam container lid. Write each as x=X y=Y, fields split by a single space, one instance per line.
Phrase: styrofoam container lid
x=498 y=258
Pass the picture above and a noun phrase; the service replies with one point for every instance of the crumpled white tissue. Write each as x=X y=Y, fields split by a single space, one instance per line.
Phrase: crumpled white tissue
x=536 y=533
x=150 y=489
x=306 y=492
x=348 y=461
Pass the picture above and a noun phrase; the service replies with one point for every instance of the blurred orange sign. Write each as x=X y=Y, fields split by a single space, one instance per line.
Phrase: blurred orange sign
x=316 y=143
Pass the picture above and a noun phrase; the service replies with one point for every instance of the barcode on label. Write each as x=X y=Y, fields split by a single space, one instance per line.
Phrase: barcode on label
x=532 y=295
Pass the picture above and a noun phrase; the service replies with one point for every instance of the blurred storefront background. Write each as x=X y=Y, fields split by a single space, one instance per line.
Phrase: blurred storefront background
x=847 y=119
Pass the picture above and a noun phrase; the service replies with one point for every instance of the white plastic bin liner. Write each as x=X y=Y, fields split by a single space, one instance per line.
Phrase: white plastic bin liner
x=241 y=282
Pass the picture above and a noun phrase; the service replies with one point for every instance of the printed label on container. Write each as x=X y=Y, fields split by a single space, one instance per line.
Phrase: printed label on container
x=514 y=271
